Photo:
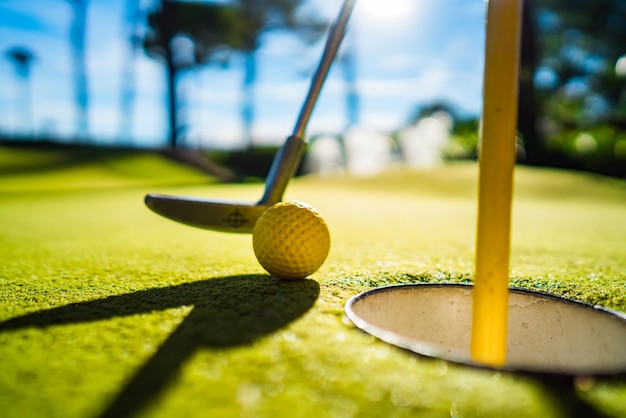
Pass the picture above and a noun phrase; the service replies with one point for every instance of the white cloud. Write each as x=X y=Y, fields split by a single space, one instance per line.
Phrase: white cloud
x=429 y=84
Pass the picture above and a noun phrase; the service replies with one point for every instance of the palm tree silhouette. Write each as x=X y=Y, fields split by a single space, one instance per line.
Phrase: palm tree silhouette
x=132 y=14
x=348 y=65
x=77 y=40
x=185 y=35
x=22 y=58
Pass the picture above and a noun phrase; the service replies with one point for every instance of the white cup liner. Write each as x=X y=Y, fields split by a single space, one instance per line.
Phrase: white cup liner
x=546 y=333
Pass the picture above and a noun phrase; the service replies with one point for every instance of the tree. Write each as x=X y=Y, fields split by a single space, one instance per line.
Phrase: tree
x=570 y=53
x=132 y=14
x=348 y=64
x=527 y=108
x=22 y=58
x=185 y=35
x=77 y=39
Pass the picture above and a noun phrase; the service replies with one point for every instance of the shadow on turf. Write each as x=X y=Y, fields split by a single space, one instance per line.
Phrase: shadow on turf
x=227 y=312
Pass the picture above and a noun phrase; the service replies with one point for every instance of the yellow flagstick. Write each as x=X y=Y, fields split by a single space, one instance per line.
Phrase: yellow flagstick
x=497 y=159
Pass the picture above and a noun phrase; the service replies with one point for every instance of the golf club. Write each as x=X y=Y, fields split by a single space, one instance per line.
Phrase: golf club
x=233 y=216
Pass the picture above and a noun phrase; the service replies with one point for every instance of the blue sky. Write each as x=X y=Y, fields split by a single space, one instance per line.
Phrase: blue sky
x=409 y=53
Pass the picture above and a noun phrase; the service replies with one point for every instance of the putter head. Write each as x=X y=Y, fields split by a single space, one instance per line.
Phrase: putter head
x=215 y=215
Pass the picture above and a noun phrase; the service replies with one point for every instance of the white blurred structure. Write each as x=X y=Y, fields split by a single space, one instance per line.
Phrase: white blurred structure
x=422 y=144
x=324 y=156
x=367 y=152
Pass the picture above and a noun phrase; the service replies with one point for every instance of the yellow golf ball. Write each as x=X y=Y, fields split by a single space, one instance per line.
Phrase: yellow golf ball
x=291 y=240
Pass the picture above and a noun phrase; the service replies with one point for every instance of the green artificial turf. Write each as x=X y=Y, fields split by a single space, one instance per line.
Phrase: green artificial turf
x=107 y=309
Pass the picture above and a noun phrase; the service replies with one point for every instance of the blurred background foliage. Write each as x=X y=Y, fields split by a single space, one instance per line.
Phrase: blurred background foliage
x=573 y=84
x=572 y=108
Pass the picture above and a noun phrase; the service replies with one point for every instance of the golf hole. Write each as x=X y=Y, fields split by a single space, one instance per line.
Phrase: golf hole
x=546 y=334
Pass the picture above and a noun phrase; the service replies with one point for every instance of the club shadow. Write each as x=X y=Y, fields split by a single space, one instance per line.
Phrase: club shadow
x=227 y=312
x=234 y=297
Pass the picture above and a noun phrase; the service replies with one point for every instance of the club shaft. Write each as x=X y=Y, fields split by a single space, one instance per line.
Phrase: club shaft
x=288 y=157
x=333 y=41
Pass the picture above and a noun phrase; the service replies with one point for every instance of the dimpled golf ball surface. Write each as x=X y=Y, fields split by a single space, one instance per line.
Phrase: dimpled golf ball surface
x=291 y=240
